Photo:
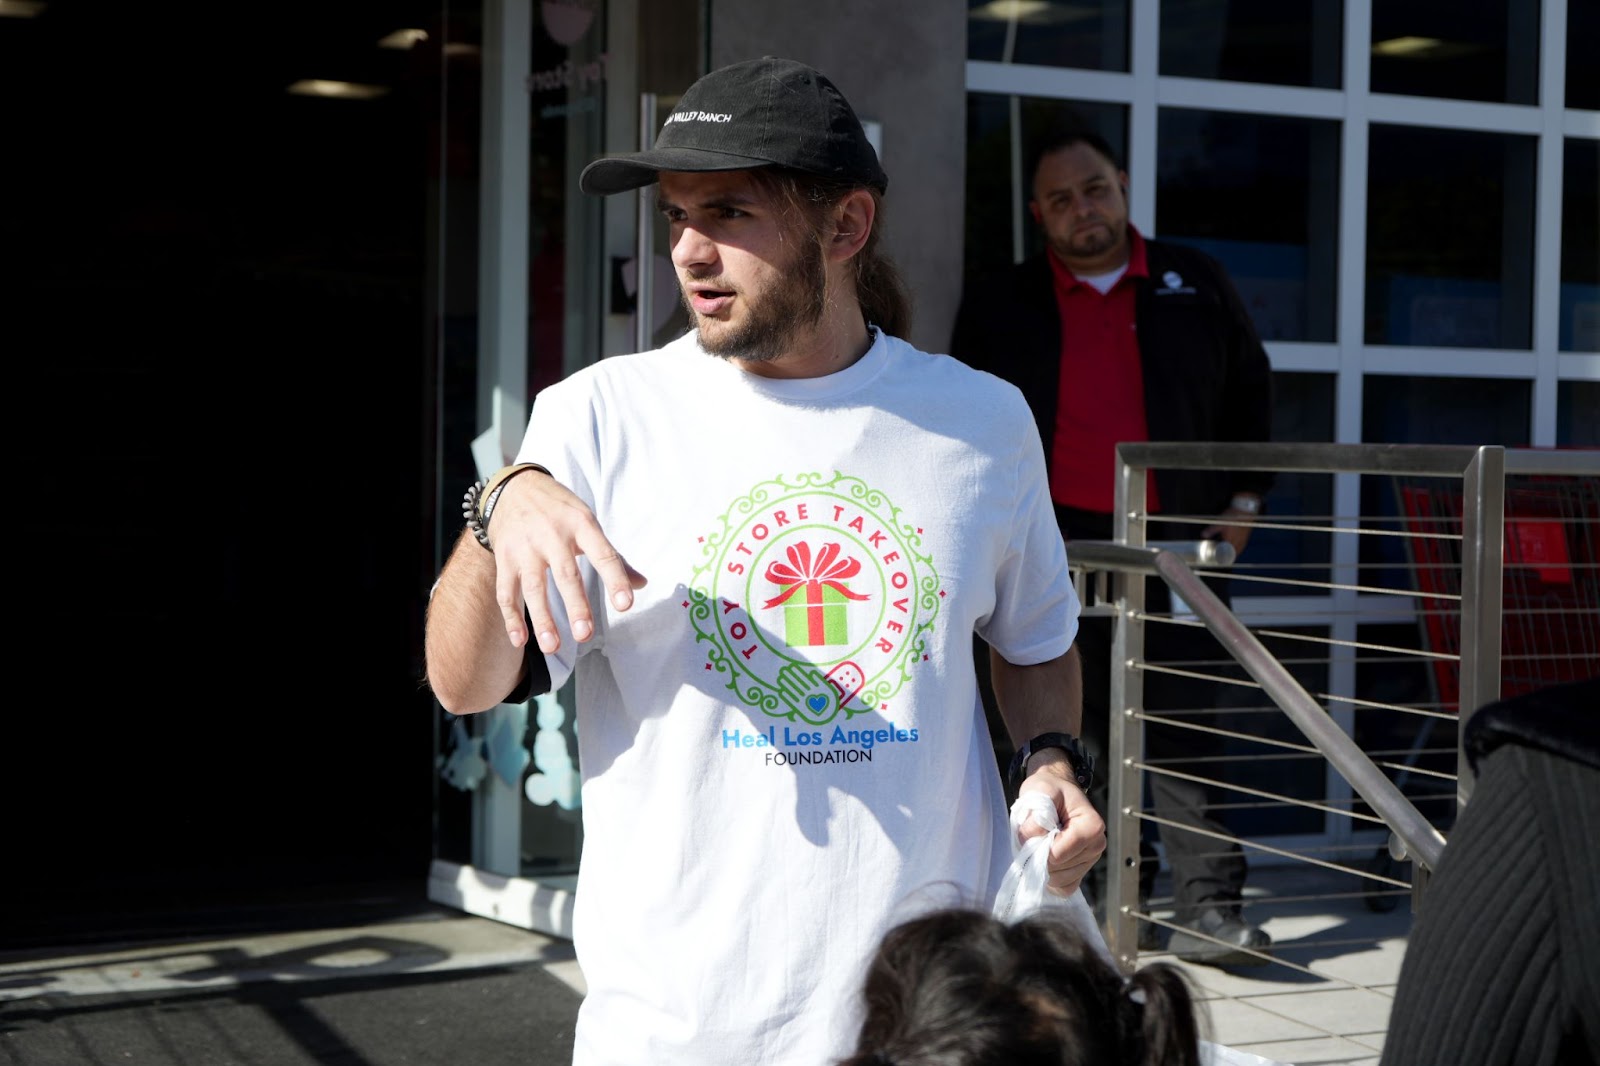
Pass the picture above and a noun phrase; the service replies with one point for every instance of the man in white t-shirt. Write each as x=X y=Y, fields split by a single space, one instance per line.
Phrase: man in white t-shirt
x=780 y=734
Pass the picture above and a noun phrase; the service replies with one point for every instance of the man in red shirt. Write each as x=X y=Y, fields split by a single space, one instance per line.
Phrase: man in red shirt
x=1114 y=337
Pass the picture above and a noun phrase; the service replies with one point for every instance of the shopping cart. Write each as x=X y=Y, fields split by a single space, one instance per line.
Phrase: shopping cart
x=1550 y=628
x=1550 y=622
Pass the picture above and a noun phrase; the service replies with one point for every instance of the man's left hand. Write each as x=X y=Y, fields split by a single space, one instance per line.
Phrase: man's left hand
x=1232 y=526
x=1082 y=839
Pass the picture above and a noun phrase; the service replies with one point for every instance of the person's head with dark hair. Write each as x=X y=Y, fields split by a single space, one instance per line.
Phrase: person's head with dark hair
x=1080 y=199
x=959 y=987
x=1065 y=135
x=770 y=144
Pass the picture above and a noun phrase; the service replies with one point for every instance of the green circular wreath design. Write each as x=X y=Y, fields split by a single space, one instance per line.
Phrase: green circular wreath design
x=764 y=695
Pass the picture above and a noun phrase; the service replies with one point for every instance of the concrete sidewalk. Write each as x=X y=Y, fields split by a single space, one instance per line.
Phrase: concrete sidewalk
x=441 y=989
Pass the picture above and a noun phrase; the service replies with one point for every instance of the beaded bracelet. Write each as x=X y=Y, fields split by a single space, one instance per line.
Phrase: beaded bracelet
x=478 y=503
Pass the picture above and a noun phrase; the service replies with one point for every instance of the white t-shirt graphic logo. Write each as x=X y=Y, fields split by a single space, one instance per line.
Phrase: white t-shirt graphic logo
x=814 y=599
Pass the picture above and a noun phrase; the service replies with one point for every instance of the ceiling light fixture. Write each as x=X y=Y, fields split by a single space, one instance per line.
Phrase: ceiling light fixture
x=1406 y=46
x=1006 y=10
x=337 y=90
x=403 y=40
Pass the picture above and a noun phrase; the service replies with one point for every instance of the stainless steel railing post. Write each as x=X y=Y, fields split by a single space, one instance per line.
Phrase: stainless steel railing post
x=1125 y=734
x=1483 y=519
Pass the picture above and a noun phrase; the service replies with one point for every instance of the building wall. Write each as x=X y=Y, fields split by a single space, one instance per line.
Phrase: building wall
x=904 y=66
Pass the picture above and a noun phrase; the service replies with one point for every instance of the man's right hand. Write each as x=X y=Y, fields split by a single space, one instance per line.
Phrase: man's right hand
x=538 y=529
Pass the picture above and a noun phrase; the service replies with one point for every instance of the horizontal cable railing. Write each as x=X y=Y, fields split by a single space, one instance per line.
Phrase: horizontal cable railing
x=1363 y=637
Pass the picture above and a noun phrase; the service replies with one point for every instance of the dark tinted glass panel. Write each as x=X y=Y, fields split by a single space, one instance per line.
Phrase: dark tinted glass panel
x=1302 y=410
x=1578 y=414
x=1284 y=42
x=1580 y=247
x=1417 y=410
x=1083 y=33
x=1262 y=195
x=1488 y=50
x=1583 y=73
x=1449 y=238
x=1001 y=134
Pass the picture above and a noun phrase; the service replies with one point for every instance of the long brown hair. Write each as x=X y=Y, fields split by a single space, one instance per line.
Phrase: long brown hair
x=885 y=301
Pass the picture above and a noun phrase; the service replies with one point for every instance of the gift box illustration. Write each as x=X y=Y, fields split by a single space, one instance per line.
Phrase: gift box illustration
x=815 y=592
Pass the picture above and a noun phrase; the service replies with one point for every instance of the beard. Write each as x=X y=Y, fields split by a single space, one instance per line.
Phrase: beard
x=774 y=313
x=1094 y=241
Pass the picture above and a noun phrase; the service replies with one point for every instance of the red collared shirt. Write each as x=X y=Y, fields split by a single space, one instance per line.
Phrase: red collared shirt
x=1101 y=401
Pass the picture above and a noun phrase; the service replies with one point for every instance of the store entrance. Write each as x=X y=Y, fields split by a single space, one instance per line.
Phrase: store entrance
x=221 y=307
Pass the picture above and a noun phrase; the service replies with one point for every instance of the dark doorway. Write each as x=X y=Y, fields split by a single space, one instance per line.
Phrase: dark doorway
x=218 y=308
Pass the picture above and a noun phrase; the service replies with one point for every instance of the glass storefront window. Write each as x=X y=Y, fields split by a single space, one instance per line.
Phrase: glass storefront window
x=566 y=91
x=1261 y=194
x=1580 y=246
x=453 y=275
x=1397 y=409
x=1280 y=42
x=1302 y=411
x=1090 y=34
x=1000 y=133
x=1583 y=74
x=1481 y=51
x=1450 y=225
x=1578 y=414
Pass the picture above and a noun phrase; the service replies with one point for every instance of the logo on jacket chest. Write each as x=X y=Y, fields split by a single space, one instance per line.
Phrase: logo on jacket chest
x=1174 y=285
x=813 y=598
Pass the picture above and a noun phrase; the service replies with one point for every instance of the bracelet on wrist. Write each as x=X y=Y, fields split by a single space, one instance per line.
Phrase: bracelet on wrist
x=481 y=496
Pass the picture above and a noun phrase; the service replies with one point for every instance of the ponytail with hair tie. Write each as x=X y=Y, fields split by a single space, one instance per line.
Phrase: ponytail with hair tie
x=1162 y=1019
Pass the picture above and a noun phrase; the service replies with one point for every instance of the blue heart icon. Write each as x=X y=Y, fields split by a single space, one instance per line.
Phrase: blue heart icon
x=816 y=703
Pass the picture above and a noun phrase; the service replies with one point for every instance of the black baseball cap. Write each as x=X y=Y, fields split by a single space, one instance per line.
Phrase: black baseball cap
x=760 y=113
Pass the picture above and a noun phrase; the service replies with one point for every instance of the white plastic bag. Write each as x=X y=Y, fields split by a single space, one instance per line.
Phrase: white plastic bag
x=1022 y=889
x=1023 y=892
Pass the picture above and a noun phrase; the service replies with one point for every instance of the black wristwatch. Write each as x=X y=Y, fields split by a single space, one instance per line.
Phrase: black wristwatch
x=1082 y=762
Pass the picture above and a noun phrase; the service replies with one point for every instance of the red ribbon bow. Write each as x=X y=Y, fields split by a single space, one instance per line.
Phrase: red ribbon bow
x=801 y=570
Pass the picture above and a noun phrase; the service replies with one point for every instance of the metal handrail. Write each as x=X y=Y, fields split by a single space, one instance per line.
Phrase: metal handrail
x=1109 y=555
x=1419 y=837
x=1415 y=832
x=1329 y=458
x=1317 y=458
x=1411 y=833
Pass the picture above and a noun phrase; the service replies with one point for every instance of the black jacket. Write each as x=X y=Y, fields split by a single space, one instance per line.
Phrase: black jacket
x=1206 y=375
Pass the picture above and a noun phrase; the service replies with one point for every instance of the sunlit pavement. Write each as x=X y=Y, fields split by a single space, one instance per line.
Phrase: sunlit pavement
x=442 y=989
x=445 y=988
x=1329 y=1002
